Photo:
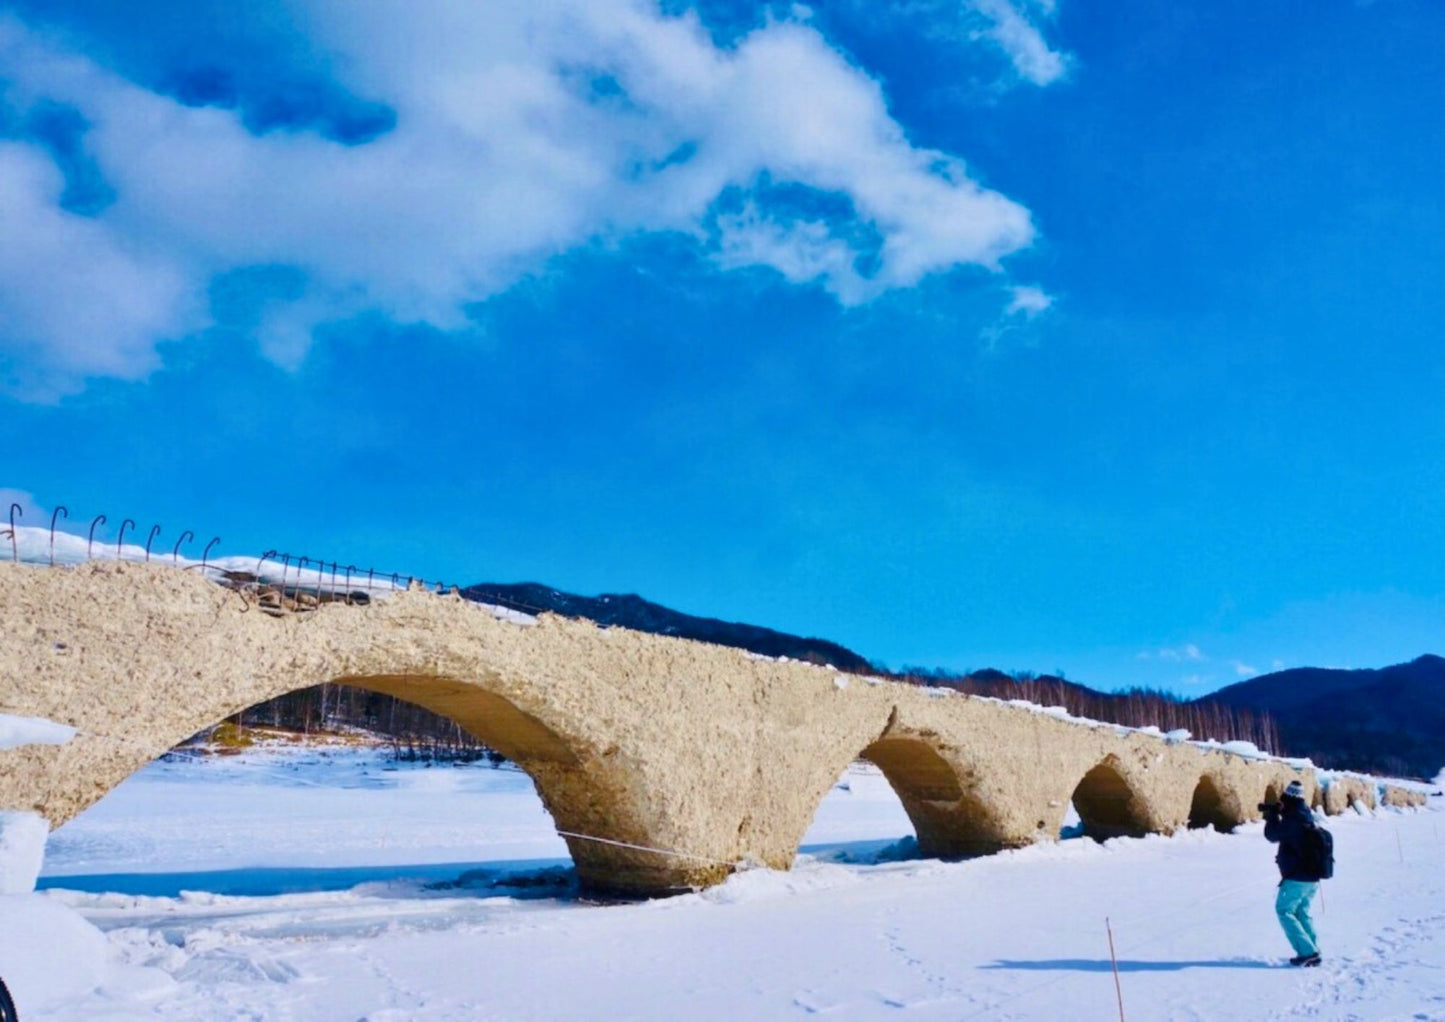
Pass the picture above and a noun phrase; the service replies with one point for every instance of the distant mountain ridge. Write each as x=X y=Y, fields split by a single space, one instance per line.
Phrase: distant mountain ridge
x=632 y=611
x=1386 y=720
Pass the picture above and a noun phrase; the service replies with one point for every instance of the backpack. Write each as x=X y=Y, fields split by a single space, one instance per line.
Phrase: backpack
x=1319 y=846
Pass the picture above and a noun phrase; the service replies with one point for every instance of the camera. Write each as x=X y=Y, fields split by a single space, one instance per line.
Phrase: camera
x=1268 y=807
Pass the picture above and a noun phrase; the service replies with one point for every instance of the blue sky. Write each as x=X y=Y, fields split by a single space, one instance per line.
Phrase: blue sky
x=1047 y=336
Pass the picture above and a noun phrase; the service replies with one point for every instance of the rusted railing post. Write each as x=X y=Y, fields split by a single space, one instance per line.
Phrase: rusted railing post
x=344 y=579
x=14 y=546
x=59 y=511
x=90 y=537
x=120 y=536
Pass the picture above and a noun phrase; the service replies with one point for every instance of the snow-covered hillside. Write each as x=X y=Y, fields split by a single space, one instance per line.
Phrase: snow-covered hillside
x=296 y=885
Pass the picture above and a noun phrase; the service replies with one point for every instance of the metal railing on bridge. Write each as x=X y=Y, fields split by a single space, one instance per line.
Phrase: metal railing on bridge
x=281 y=581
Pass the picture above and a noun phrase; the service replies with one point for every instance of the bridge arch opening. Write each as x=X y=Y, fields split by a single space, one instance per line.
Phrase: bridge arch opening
x=1106 y=804
x=927 y=787
x=1212 y=807
x=914 y=769
x=949 y=818
x=1273 y=791
x=491 y=718
x=329 y=811
x=488 y=826
x=1360 y=802
x=860 y=819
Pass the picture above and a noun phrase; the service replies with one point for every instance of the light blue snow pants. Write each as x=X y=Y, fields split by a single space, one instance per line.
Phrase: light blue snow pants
x=1293 y=907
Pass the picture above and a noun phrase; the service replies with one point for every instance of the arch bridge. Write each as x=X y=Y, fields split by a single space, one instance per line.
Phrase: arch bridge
x=663 y=761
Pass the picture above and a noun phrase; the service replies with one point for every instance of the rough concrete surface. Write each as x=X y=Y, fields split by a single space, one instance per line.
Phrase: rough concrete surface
x=1344 y=792
x=664 y=762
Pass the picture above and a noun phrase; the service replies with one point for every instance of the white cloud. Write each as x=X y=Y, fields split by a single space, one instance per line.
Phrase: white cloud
x=1014 y=32
x=76 y=298
x=1244 y=670
x=800 y=251
x=1013 y=27
x=503 y=155
x=1028 y=301
x=1188 y=653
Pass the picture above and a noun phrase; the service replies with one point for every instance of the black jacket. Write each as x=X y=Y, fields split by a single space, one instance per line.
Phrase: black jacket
x=1289 y=827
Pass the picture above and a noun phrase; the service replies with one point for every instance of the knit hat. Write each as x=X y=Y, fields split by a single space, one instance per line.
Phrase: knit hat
x=1295 y=790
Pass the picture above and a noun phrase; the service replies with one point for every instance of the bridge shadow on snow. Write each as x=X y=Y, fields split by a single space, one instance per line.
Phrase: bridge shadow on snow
x=1125 y=965
x=870 y=852
x=516 y=878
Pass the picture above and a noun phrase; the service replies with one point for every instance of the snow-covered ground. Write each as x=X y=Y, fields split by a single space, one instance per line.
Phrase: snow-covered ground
x=295 y=885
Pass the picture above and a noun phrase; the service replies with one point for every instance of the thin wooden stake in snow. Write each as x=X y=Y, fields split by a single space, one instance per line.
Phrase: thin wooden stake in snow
x=1114 y=961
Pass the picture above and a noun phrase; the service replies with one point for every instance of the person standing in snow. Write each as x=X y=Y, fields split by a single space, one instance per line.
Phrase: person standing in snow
x=1289 y=823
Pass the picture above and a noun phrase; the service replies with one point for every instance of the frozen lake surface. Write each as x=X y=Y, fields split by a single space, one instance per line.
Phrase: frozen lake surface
x=321 y=885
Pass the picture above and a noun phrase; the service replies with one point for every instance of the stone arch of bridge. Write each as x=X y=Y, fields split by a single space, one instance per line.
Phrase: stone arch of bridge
x=599 y=805
x=1215 y=804
x=940 y=792
x=492 y=719
x=1345 y=793
x=1107 y=804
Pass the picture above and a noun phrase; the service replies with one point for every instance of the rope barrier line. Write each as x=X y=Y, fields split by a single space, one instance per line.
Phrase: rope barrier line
x=646 y=848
